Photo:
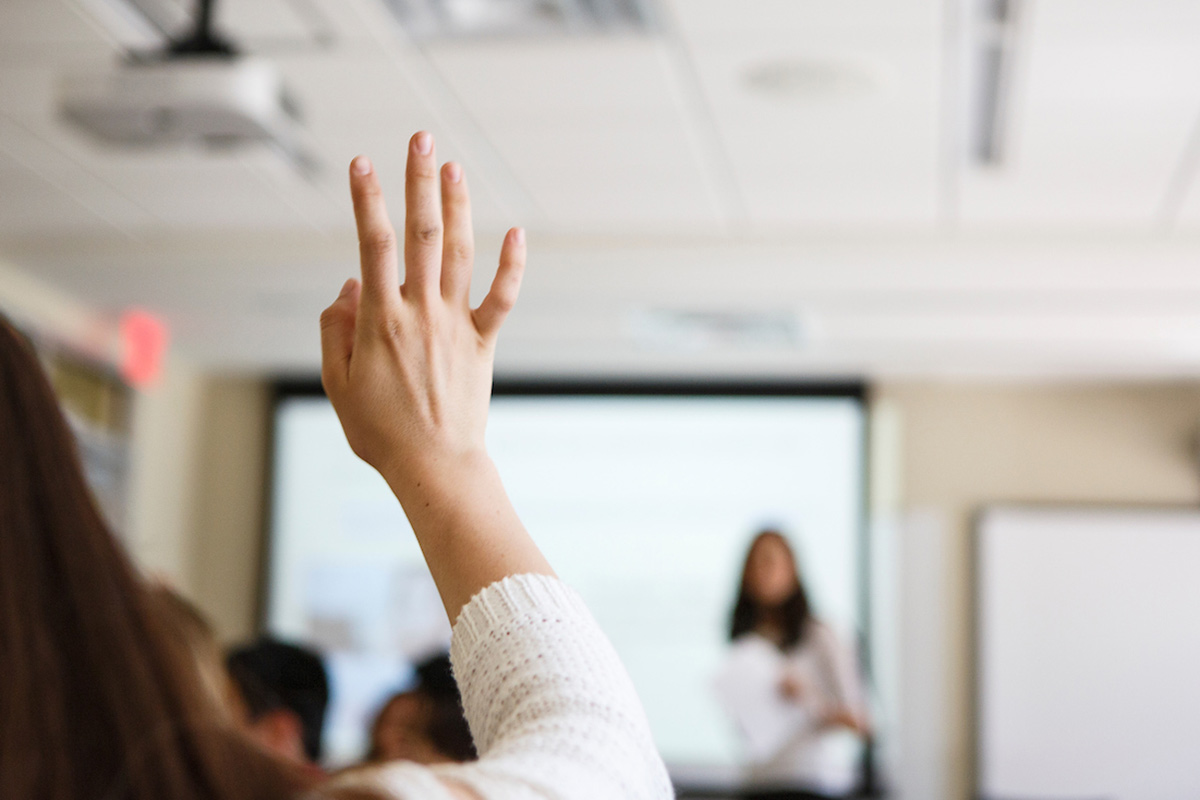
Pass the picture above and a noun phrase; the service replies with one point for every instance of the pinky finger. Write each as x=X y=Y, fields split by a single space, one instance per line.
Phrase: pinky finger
x=505 y=287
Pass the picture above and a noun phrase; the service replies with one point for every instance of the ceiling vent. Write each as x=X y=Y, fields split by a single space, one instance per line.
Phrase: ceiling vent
x=691 y=330
x=451 y=19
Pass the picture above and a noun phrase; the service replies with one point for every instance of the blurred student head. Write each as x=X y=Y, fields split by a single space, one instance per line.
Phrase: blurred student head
x=771 y=598
x=98 y=699
x=283 y=690
x=425 y=724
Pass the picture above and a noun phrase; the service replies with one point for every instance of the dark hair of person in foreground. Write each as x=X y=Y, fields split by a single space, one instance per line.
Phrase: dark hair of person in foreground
x=97 y=698
x=771 y=597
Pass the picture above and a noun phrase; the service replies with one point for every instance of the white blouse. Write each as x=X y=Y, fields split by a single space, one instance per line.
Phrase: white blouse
x=806 y=753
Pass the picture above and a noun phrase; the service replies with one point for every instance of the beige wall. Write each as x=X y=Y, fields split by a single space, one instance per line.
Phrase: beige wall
x=966 y=446
x=164 y=472
x=199 y=463
x=228 y=524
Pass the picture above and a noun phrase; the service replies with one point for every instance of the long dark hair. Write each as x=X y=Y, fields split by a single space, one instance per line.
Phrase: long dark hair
x=792 y=616
x=98 y=700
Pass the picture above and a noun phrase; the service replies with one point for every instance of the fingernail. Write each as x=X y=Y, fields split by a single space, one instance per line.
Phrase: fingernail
x=453 y=172
x=361 y=165
x=346 y=288
x=423 y=143
x=519 y=236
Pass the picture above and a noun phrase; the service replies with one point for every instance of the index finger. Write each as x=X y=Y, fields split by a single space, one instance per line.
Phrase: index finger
x=376 y=236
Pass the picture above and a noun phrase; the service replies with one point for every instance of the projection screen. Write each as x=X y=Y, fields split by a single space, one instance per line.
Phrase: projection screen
x=643 y=498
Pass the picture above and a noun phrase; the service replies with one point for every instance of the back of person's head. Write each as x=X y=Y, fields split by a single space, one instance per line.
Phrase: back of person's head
x=97 y=699
x=448 y=729
x=426 y=723
x=284 y=691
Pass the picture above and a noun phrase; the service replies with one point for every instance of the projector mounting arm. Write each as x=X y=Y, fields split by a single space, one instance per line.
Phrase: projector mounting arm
x=203 y=41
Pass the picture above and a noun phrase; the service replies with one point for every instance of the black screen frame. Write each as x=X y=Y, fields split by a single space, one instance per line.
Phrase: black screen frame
x=855 y=390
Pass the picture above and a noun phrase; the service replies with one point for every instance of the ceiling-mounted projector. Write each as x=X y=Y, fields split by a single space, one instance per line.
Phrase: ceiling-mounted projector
x=197 y=91
x=214 y=101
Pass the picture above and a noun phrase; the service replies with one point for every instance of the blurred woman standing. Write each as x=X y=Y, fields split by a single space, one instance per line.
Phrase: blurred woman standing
x=814 y=747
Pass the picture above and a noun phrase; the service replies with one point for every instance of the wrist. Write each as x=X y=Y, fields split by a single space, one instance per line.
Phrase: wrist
x=437 y=477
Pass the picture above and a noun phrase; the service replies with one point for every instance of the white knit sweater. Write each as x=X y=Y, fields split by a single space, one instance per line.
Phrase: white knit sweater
x=552 y=711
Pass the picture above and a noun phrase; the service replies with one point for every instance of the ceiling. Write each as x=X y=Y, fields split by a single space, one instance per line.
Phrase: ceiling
x=804 y=159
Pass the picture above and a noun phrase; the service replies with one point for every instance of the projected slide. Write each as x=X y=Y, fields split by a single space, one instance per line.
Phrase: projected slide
x=645 y=504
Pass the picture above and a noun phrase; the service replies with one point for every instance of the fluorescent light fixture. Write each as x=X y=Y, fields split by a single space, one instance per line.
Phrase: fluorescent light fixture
x=992 y=30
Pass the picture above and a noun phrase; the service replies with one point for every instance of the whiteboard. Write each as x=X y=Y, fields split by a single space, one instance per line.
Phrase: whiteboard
x=1088 y=659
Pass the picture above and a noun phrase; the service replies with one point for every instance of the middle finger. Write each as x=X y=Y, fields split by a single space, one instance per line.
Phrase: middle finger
x=423 y=220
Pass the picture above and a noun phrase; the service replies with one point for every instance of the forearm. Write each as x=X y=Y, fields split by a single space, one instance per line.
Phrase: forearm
x=466 y=526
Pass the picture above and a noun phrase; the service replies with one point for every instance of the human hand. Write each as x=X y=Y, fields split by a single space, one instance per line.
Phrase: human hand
x=409 y=371
x=842 y=717
x=793 y=687
x=408 y=367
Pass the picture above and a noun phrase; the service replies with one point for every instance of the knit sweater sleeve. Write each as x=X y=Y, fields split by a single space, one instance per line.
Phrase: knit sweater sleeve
x=553 y=713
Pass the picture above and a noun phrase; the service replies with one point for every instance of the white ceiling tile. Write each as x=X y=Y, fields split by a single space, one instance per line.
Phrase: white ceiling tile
x=341 y=92
x=41 y=157
x=270 y=20
x=766 y=21
x=31 y=205
x=364 y=102
x=592 y=77
x=866 y=157
x=1106 y=95
x=614 y=174
x=29 y=93
x=359 y=21
x=27 y=26
x=1187 y=215
x=210 y=193
x=594 y=130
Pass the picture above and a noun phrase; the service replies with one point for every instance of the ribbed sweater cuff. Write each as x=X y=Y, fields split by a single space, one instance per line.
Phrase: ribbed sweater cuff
x=509 y=599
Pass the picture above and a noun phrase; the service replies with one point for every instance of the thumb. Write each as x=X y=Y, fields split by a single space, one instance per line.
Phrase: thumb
x=337 y=336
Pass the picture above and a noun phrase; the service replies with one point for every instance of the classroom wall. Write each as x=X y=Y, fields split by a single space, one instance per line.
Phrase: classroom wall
x=228 y=524
x=945 y=450
x=965 y=446
x=199 y=470
x=165 y=473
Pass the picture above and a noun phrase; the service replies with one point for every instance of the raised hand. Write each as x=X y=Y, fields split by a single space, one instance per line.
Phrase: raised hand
x=409 y=371
x=409 y=367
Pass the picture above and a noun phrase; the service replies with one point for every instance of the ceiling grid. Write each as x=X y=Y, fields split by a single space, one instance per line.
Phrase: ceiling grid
x=804 y=157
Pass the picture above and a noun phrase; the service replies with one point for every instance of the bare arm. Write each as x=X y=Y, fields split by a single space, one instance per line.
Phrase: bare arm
x=408 y=368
